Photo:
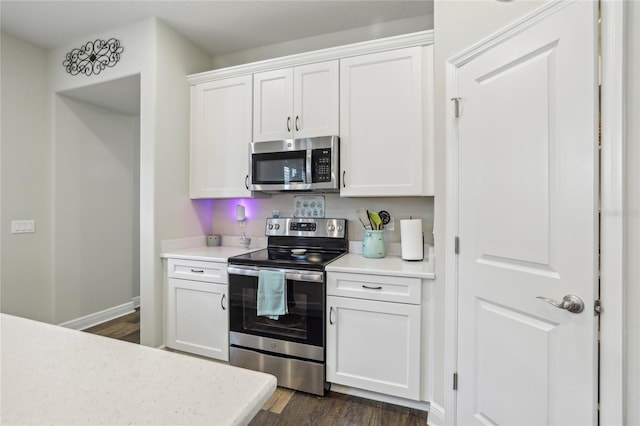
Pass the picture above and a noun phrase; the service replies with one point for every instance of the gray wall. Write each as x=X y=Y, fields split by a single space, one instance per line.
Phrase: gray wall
x=94 y=183
x=26 y=280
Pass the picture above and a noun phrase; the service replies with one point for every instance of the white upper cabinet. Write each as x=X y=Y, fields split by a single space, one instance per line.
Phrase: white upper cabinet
x=296 y=102
x=220 y=137
x=383 y=135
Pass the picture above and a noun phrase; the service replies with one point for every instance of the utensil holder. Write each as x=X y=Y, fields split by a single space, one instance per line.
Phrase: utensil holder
x=373 y=244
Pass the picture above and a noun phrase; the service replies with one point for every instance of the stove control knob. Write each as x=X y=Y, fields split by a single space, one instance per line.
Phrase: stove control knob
x=270 y=226
x=339 y=228
x=331 y=228
x=277 y=226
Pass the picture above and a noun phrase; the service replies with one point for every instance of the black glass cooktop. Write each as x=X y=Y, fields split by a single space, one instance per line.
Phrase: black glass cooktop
x=288 y=257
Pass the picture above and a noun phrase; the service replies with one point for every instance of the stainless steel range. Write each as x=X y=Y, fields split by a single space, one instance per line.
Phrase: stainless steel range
x=290 y=346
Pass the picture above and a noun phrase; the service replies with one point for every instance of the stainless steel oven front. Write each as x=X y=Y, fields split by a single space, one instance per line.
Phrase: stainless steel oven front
x=290 y=347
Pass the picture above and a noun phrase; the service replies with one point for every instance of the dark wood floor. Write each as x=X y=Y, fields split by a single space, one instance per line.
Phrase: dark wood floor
x=288 y=407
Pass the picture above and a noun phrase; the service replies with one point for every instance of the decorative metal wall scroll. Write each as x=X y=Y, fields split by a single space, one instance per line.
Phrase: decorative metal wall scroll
x=93 y=57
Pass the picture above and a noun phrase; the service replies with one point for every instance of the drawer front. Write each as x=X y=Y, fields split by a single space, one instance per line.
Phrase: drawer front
x=213 y=272
x=375 y=287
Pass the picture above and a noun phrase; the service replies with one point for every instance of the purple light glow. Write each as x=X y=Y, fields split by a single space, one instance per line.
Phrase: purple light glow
x=250 y=207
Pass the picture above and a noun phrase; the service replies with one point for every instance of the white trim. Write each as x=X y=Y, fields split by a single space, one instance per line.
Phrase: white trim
x=451 y=258
x=136 y=302
x=612 y=223
x=421 y=38
x=418 y=405
x=99 y=317
x=508 y=32
x=436 y=415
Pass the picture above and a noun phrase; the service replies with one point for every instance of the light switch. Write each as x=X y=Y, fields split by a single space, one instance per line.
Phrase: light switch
x=23 y=226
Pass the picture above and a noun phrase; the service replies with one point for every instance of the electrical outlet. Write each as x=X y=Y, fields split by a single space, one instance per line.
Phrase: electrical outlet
x=391 y=226
x=23 y=226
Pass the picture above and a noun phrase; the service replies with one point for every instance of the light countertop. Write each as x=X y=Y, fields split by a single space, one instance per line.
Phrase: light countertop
x=54 y=375
x=388 y=265
x=204 y=253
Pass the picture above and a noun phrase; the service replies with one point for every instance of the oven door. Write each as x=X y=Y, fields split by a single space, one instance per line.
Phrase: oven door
x=299 y=333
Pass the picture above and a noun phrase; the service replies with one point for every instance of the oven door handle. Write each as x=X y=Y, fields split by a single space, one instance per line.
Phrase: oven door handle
x=289 y=274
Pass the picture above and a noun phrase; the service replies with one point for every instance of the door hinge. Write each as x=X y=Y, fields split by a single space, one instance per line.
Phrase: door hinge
x=597 y=307
x=455 y=381
x=456 y=107
x=456 y=246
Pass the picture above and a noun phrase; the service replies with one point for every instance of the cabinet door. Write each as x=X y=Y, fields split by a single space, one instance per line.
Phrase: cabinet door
x=273 y=105
x=316 y=100
x=374 y=346
x=197 y=318
x=220 y=137
x=381 y=127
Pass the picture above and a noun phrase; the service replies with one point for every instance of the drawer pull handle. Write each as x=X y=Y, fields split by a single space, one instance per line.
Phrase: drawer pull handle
x=372 y=288
x=197 y=271
x=330 y=315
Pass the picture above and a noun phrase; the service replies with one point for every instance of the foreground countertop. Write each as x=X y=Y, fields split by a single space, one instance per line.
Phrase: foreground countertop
x=54 y=375
x=388 y=265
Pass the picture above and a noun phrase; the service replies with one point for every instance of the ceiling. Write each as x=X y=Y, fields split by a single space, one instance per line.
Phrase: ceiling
x=218 y=27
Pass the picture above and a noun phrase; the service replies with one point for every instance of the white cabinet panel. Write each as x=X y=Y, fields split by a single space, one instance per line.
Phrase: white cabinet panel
x=374 y=346
x=381 y=124
x=296 y=102
x=215 y=272
x=375 y=287
x=197 y=298
x=220 y=136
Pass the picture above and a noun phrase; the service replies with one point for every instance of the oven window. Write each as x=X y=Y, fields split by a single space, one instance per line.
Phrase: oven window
x=303 y=324
x=278 y=168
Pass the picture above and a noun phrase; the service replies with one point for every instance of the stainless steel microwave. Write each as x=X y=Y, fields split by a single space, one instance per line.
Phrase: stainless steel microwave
x=309 y=164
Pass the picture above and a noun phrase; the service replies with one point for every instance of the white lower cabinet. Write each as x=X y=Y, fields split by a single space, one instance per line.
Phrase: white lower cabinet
x=197 y=319
x=373 y=344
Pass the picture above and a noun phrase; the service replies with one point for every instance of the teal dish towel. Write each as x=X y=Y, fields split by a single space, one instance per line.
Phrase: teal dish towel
x=272 y=294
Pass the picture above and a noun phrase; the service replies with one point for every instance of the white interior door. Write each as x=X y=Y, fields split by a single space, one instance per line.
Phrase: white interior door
x=528 y=224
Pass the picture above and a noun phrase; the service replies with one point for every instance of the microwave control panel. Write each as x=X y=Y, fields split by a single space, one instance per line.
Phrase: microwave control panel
x=321 y=165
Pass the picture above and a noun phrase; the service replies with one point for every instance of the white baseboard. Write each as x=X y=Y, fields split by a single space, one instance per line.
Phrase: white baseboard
x=136 y=302
x=418 y=405
x=436 y=415
x=99 y=317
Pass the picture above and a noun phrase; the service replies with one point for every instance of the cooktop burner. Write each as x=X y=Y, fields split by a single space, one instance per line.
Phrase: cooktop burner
x=308 y=243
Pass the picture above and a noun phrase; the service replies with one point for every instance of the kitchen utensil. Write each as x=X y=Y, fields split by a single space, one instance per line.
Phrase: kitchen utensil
x=384 y=216
x=364 y=218
x=376 y=221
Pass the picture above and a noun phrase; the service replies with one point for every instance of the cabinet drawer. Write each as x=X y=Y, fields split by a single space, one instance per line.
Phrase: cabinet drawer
x=214 y=272
x=375 y=287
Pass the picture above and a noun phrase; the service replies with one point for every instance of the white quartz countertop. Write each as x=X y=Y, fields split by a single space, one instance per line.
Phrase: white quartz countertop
x=205 y=253
x=388 y=265
x=54 y=375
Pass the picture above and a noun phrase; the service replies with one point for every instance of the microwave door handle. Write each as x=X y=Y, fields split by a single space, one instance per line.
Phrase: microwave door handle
x=309 y=178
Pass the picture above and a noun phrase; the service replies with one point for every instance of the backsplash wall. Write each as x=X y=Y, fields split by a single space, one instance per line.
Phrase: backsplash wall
x=257 y=210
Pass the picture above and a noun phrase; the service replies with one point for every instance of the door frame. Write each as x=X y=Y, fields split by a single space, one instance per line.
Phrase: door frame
x=612 y=171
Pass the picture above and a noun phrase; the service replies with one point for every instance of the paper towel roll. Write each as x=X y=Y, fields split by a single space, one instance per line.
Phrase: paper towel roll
x=411 y=240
